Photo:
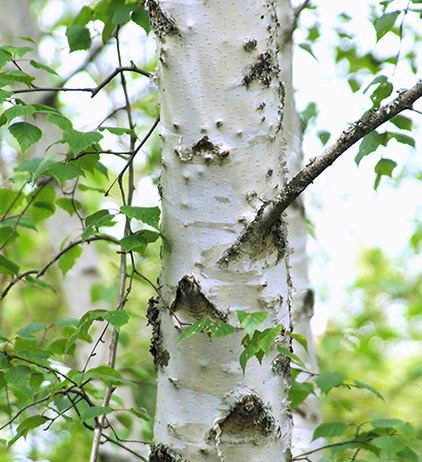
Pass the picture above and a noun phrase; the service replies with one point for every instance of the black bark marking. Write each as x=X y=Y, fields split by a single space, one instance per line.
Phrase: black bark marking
x=161 y=22
x=162 y=453
x=250 y=44
x=247 y=419
x=281 y=366
x=262 y=71
x=160 y=354
x=191 y=302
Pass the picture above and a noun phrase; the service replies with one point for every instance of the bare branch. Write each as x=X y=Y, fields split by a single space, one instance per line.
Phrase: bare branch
x=270 y=212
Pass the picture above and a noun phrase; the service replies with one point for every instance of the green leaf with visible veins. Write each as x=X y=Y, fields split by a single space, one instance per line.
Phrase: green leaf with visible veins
x=63 y=171
x=67 y=260
x=26 y=134
x=80 y=141
x=329 y=379
x=148 y=215
x=333 y=428
x=250 y=321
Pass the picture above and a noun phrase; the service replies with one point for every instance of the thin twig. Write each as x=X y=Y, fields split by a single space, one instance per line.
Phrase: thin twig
x=92 y=90
x=328 y=446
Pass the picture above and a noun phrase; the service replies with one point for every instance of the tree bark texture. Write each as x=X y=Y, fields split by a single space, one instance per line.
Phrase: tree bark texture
x=221 y=92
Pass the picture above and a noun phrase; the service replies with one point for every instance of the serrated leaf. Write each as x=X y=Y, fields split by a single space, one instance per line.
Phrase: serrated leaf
x=91 y=219
x=94 y=411
x=17 y=76
x=31 y=328
x=141 y=18
x=300 y=339
x=390 y=444
x=36 y=165
x=122 y=14
x=250 y=321
x=266 y=337
x=251 y=350
x=64 y=171
x=385 y=23
x=329 y=379
x=67 y=260
x=295 y=358
x=80 y=141
x=61 y=121
x=217 y=329
x=19 y=377
x=329 y=429
x=386 y=423
x=36 y=282
x=401 y=138
x=28 y=424
x=84 y=16
x=78 y=37
x=68 y=204
x=190 y=330
x=26 y=134
x=148 y=215
x=8 y=266
x=383 y=167
x=42 y=66
x=5 y=56
x=116 y=318
x=5 y=95
x=43 y=206
x=18 y=110
x=20 y=51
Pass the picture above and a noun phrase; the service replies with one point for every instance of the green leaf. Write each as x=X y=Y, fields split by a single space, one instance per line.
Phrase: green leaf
x=138 y=242
x=26 y=134
x=369 y=143
x=78 y=37
x=386 y=423
x=38 y=65
x=300 y=339
x=141 y=18
x=140 y=414
x=298 y=392
x=148 y=215
x=385 y=23
x=251 y=350
x=401 y=138
x=80 y=141
x=308 y=47
x=250 y=321
x=116 y=318
x=8 y=266
x=17 y=111
x=94 y=411
x=22 y=221
x=61 y=121
x=84 y=187
x=5 y=95
x=390 y=444
x=377 y=80
x=67 y=260
x=94 y=217
x=31 y=328
x=19 y=377
x=87 y=162
x=68 y=204
x=216 y=329
x=383 y=167
x=122 y=15
x=119 y=131
x=84 y=16
x=266 y=338
x=329 y=429
x=43 y=205
x=19 y=51
x=64 y=171
x=28 y=424
x=329 y=379
x=295 y=358
x=402 y=122
x=36 y=282
x=16 y=76
x=193 y=329
x=5 y=56
x=323 y=136
x=383 y=91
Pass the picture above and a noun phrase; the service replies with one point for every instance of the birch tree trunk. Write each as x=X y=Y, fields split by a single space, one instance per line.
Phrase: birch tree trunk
x=221 y=91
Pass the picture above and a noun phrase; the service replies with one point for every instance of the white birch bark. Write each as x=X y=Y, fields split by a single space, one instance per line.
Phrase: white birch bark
x=221 y=96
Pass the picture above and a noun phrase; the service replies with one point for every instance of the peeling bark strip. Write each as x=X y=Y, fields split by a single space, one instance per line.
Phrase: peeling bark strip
x=191 y=302
x=272 y=210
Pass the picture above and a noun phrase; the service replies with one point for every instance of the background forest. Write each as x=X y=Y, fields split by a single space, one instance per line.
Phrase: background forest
x=365 y=266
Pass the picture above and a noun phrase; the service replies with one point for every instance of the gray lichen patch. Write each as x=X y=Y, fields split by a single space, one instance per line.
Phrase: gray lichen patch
x=160 y=354
x=261 y=71
x=161 y=22
x=192 y=303
x=163 y=453
x=248 y=419
x=281 y=366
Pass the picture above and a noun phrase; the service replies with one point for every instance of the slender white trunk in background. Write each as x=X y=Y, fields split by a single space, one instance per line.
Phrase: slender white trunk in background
x=221 y=93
